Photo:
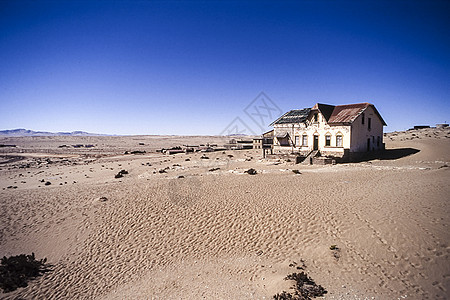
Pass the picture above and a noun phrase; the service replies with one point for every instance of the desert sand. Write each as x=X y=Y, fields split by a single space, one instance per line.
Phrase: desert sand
x=185 y=227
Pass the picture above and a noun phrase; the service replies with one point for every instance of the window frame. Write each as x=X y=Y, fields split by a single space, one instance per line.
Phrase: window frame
x=339 y=140
x=327 y=140
x=305 y=140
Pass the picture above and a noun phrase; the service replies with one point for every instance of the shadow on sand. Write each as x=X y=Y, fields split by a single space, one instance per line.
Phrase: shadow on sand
x=389 y=154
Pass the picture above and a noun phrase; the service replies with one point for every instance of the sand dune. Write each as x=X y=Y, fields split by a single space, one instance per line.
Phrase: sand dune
x=224 y=234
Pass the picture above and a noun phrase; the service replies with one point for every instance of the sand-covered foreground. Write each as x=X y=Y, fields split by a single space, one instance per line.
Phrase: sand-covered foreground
x=192 y=232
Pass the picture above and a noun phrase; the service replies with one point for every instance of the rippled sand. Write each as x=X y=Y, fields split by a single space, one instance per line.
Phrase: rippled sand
x=225 y=234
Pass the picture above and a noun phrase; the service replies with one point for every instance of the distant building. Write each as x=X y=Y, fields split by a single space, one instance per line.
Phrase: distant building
x=342 y=131
x=265 y=141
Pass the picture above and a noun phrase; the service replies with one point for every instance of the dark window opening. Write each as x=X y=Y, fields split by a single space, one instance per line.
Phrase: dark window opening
x=363 y=118
x=316 y=117
x=369 y=123
x=328 y=140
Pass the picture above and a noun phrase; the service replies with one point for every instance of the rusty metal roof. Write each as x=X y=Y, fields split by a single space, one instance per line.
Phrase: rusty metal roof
x=348 y=113
x=339 y=114
x=293 y=116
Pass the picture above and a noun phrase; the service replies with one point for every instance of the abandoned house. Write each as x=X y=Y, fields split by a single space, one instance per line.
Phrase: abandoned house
x=265 y=141
x=343 y=132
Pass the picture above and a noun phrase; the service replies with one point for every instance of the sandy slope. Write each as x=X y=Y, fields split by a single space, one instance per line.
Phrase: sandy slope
x=224 y=234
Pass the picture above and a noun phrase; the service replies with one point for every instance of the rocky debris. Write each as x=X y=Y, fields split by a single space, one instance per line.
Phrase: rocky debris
x=164 y=170
x=48 y=183
x=336 y=251
x=296 y=172
x=251 y=171
x=213 y=169
x=180 y=176
x=137 y=152
x=204 y=157
x=121 y=173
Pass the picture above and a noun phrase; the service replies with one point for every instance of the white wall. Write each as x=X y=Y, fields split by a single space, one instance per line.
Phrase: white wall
x=360 y=132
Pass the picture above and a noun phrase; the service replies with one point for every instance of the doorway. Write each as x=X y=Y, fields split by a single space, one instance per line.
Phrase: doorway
x=316 y=142
x=368 y=145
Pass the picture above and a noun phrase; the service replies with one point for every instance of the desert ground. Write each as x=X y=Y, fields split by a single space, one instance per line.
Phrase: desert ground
x=196 y=226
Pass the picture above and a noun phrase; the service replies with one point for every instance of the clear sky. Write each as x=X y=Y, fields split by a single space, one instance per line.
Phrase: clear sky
x=192 y=67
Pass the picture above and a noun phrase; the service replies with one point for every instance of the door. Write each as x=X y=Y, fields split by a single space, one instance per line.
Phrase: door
x=316 y=142
x=368 y=144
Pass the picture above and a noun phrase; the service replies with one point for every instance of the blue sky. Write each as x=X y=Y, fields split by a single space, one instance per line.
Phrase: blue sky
x=192 y=67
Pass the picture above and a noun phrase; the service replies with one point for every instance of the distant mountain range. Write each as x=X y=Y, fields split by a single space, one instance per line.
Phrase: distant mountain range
x=26 y=132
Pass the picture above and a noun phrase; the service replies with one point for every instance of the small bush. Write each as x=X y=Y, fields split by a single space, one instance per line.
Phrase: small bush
x=16 y=271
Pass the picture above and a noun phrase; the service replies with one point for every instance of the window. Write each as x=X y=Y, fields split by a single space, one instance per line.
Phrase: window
x=339 y=140
x=316 y=117
x=378 y=141
x=369 y=123
x=363 y=118
x=297 y=140
x=328 y=140
x=304 y=140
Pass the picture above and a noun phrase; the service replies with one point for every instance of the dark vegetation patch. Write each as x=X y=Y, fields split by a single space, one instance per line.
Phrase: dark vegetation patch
x=305 y=288
x=16 y=271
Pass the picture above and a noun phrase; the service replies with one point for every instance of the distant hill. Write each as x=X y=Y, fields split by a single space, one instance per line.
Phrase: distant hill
x=26 y=132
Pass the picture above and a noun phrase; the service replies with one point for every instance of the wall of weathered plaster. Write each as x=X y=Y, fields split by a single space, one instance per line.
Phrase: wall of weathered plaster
x=360 y=132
